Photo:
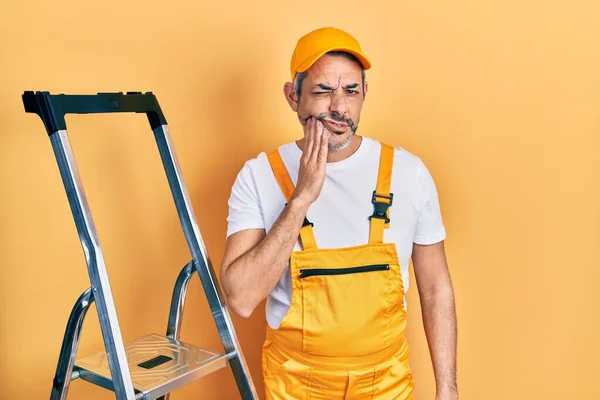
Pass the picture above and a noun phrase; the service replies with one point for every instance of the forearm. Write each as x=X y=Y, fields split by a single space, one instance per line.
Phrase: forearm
x=251 y=277
x=439 y=320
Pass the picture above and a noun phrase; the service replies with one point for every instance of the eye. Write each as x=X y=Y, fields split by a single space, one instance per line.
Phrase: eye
x=320 y=92
x=350 y=91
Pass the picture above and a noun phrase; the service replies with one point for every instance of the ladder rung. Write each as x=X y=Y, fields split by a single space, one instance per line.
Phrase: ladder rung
x=158 y=365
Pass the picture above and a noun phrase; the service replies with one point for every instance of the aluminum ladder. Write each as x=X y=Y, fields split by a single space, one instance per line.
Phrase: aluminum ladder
x=152 y=366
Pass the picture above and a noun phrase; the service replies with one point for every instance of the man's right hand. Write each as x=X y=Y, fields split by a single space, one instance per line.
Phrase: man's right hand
x=255 y=261
x=311 y=174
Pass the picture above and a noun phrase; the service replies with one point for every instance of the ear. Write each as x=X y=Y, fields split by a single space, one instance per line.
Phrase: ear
x=366 y=89
x=291 y=96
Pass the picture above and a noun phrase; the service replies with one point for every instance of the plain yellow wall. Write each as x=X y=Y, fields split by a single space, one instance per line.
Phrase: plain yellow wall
x=500 y=98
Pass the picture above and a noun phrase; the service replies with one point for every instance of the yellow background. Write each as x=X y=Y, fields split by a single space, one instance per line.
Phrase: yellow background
x=501 y=99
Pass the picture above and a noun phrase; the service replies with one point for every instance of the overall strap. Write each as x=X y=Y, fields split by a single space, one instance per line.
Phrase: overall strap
x=287 y=187
x=382 y=198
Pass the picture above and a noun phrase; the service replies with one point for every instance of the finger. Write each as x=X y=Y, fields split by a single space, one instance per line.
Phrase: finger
x=308 y=137
x=317 y=140
x=306 y=126
x=324 y=146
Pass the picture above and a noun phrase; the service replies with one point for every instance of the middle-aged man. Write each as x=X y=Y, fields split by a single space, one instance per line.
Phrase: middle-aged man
x=323 y=228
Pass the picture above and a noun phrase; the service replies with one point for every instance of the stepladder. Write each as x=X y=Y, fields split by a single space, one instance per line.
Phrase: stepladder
x=154 y=365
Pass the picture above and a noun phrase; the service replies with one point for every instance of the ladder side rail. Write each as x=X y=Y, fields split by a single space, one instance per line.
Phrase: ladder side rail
x=109 y=324
x=203 y=263
x=68 y=351
x=178 y=300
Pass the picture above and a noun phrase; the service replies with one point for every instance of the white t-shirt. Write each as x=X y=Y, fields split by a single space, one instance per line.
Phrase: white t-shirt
x=341 y=213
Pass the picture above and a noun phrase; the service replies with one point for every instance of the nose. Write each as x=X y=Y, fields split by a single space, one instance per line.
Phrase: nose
x=338 y=104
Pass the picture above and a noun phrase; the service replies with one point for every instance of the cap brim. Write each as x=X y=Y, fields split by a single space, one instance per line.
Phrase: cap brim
x=365 y=62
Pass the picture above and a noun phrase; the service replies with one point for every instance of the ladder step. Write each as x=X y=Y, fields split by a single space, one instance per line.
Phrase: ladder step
x=158 y=365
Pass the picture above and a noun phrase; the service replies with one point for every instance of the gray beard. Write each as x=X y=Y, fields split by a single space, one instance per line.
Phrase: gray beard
x=344 y=144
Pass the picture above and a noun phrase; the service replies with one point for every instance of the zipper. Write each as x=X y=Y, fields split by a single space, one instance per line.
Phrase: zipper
x=305 y=273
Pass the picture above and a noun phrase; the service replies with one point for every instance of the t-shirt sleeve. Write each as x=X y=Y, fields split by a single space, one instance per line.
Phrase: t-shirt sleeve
x=430 y=226
x=245 y=211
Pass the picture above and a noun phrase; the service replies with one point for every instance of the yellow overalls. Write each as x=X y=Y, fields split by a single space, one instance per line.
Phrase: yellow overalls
x=343 y=336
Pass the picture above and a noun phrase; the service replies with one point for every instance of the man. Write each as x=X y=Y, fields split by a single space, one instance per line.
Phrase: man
x=323 y=229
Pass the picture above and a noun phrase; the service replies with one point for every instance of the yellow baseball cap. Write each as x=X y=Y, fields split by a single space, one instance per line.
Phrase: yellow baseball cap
x=315 y=44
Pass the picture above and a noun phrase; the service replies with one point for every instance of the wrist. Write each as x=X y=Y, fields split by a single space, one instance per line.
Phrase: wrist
x=446 y=393
x=299 y=203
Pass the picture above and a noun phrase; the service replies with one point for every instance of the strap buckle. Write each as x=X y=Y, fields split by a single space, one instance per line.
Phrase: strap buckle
x=307 y=222
x=381 y=208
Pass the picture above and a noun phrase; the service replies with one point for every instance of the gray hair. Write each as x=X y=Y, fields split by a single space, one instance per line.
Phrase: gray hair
x=300 y=76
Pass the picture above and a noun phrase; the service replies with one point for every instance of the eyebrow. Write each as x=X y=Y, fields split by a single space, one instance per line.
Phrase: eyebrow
x=325 y=87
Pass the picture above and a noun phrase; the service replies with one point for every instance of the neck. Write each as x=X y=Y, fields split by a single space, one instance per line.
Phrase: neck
x=339 y=155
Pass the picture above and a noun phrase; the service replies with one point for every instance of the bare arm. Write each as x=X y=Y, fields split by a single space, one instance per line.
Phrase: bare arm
x=254 y=262
x=439 y=315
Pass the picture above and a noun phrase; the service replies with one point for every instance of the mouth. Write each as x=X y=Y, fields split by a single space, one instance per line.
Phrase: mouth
x=335 y=126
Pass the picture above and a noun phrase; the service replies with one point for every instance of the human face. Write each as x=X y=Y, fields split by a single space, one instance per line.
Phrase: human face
x=333 y=93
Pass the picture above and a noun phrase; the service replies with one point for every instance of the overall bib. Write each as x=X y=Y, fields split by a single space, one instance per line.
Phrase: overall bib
x=343 y=336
